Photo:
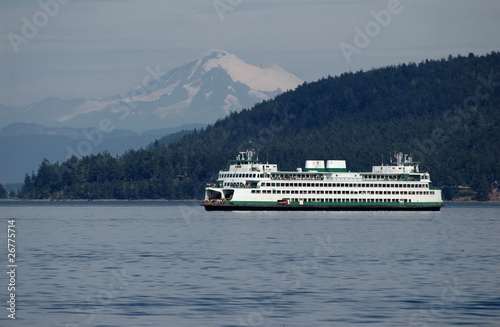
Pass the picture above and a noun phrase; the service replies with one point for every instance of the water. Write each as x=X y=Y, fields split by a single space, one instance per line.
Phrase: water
x=173 y=264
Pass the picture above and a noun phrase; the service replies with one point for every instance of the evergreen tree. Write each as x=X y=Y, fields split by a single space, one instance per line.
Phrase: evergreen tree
x=3 y=192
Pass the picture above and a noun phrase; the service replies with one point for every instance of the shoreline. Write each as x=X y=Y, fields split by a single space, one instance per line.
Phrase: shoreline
x=495 y=202
x=102 y=200
x=471 y=202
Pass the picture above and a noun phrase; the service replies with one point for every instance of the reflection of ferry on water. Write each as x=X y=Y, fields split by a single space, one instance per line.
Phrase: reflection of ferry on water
x=251 y=185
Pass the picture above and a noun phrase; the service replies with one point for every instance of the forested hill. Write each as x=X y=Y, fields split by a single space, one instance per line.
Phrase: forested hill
x=446 y=113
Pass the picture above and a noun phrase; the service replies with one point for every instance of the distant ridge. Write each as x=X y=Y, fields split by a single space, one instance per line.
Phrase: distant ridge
x=445 y=112
x=198 y=92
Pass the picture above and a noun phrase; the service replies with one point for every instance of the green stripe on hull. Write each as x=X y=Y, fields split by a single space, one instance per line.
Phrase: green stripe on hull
x=271 y=206
x=293 y=203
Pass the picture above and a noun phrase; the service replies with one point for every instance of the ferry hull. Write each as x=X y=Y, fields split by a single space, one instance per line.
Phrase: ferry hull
x=312 y=207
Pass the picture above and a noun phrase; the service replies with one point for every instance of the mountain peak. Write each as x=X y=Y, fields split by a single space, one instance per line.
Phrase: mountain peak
x=214 y=53
x=267 y=79
x=200 y=91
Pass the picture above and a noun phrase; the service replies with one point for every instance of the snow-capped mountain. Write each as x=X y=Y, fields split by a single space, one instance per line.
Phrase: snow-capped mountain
x=200 y=91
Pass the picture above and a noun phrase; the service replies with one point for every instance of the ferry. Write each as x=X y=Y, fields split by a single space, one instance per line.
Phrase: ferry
x=249 y=184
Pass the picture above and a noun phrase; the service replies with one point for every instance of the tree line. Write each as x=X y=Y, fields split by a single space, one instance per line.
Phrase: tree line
x=445 y=112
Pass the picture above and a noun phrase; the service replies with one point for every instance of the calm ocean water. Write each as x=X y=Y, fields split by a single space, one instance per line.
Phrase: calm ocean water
x=173 y=264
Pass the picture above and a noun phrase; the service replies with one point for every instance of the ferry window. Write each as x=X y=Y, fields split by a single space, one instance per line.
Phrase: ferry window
x=286 y=184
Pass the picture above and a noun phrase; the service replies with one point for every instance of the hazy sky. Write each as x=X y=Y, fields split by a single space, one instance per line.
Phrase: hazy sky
x=97 y=48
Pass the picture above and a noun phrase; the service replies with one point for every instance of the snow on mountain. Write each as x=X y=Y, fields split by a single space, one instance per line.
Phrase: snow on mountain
x=258 y=79
x=200 y=91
